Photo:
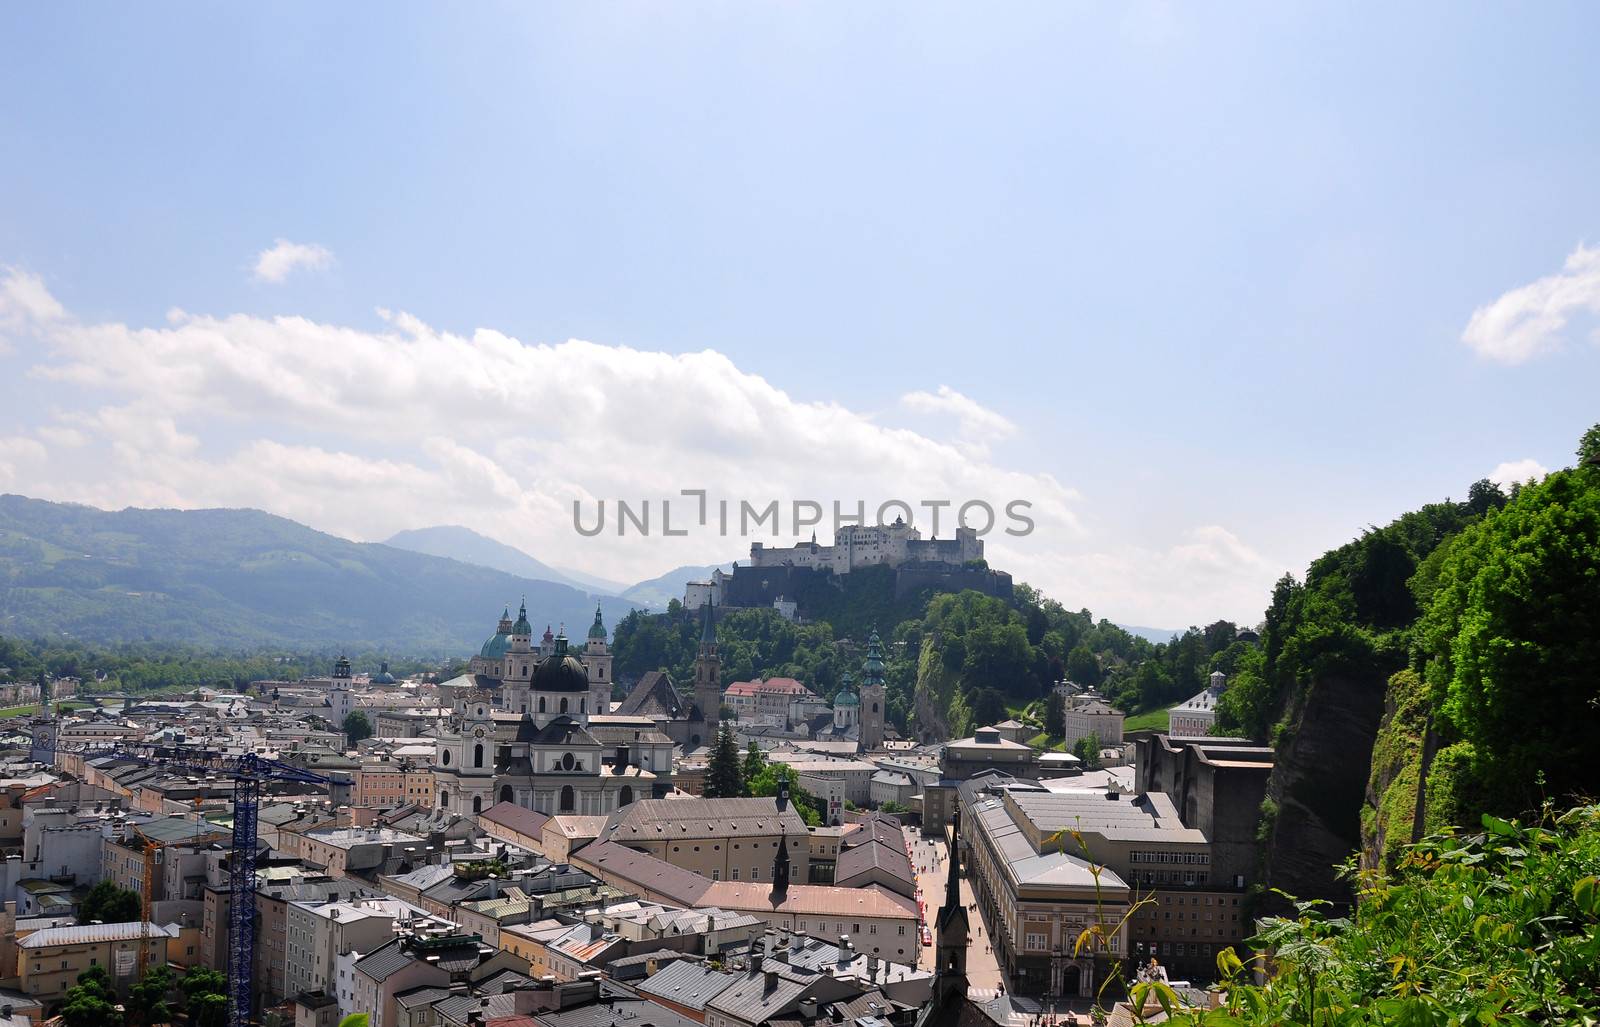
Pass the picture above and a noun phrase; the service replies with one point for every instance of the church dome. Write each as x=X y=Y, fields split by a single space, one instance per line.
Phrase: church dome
x=847 y=699
x=560 y=671
x=495 y=648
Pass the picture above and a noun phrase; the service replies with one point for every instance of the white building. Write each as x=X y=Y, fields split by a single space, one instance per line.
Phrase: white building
x=1196 y=716
x=871 y=545
x=1090 y=715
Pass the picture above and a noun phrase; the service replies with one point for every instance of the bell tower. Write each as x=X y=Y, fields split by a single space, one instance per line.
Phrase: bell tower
x=874 y=696
x=708 y=676
x=597 y=664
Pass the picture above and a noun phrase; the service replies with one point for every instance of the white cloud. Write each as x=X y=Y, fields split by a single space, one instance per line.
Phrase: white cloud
x=25 y=303
x=1517 y=471
x=275 y=264
x=365 y=432
x=976 y=421
x=1528 y=321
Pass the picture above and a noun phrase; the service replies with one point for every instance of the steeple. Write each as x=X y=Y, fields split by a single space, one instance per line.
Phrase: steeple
x=598 y=628
x=950 y=982
x=522 y=627
x=780 y=872
x=708 y=629
x=707 y=680
x=874 y=696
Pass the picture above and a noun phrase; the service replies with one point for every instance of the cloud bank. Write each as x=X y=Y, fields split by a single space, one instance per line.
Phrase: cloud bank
x=1529 y=321
x=366 y=431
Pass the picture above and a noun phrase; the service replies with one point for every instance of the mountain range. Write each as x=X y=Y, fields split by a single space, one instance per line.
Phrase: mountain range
x=248 y=579
x=468 y=546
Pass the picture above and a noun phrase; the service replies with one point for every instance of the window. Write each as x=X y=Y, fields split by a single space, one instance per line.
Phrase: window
x=755 y=873
x=872 y=928
x=563 y=705
x=901 y=931
x=716 y=875
x=733 y=874
x=1038 y=942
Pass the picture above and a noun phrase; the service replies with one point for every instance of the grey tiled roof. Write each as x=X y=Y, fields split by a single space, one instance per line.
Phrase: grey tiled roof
x=688 y=984
x=621 y=1013
x=385 y=961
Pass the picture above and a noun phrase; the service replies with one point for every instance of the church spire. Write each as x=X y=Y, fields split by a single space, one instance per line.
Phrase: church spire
x=780 y=872
x=708 y=628
x=950 y=982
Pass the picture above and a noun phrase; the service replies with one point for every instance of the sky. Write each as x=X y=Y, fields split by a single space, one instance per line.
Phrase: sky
x=1211 y=289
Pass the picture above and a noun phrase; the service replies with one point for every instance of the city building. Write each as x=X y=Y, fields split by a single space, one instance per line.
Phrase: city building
x=1197 y=715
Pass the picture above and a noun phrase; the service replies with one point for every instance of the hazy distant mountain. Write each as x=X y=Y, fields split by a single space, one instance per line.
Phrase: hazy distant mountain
x=243 y=578
x=600 y=586
x=1160 y=635
x=659 y=591
x=466 y=545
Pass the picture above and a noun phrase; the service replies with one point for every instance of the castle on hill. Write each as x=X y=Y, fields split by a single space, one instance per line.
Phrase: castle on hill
x=777 y=576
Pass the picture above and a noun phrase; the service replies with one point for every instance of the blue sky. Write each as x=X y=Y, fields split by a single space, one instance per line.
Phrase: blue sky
x=1213 y=267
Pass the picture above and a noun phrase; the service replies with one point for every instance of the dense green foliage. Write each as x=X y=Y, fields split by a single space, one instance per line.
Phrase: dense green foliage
x=356 y=727
x=1510 y=644
x=110 y=904
x=144 y=666
x=1498 y=928
x=991 y=654
x=725 y=771
x=90 y=1002
x=205 y=997
x=147 y=998
x=246 y=579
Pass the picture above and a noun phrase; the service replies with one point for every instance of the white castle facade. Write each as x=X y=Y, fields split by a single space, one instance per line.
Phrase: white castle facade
x=854 y=546
x=870 y=545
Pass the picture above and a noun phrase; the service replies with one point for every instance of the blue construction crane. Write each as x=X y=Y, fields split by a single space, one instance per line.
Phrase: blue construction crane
x=248 y=772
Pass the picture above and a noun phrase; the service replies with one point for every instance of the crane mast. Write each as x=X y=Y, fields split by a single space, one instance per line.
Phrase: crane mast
x=248 y=772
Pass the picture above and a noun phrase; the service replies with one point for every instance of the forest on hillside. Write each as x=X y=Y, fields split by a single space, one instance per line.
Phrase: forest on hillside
x=992 y=654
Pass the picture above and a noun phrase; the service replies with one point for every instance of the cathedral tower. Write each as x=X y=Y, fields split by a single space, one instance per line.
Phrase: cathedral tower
x=708 y=680
x=597 y=663
x=874 y=699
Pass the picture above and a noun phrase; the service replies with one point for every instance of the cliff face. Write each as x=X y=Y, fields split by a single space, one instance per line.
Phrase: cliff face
x=1319 y=784
x=1389 y=816
x=937 y=706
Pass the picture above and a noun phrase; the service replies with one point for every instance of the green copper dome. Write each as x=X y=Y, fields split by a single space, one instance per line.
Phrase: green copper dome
x=598 y=628
x=847 y=699
x=496 y=647
x=522 y=627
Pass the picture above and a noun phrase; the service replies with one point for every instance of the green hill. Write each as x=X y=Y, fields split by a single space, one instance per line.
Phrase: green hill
x=243 y=578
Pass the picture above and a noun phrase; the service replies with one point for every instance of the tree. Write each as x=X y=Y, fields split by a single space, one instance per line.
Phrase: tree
x=1082 y=666
x=1512 y=640
x=110 y=904
x=1589 y=447
x=754 y=761
x=205 y=997
x=1087 y=749
x=724 y=778
x=356 y=726
x=147 y=999
x=988 y=707
x=90 y=1002
x=1055 y=716
x=807 y=805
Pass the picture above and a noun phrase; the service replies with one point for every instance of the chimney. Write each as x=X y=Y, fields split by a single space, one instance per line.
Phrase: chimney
x=757 y=958
x=808 y=1009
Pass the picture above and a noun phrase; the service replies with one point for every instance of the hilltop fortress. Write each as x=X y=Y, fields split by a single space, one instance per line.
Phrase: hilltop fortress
x=780 y=575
